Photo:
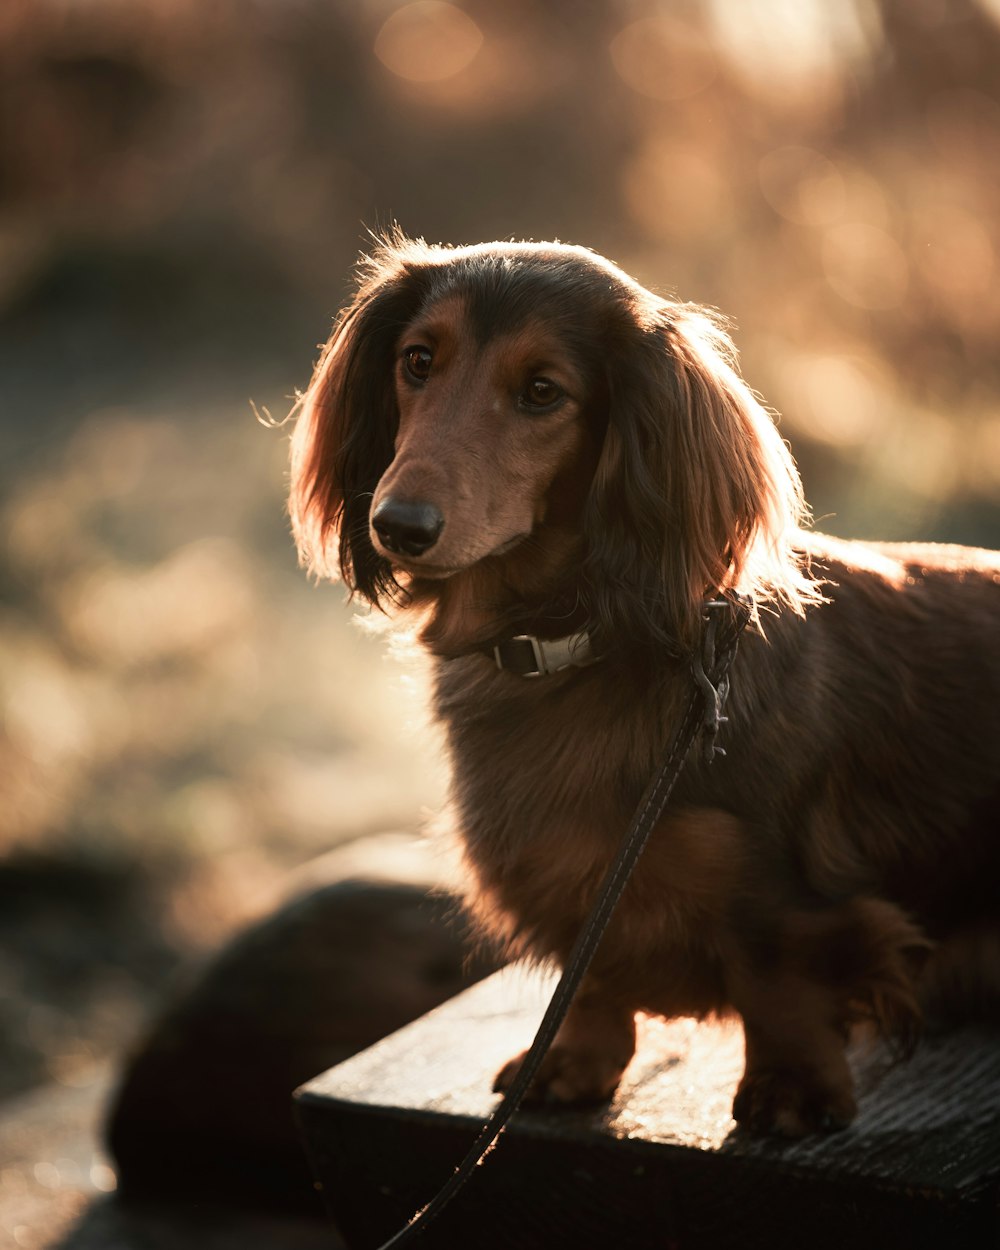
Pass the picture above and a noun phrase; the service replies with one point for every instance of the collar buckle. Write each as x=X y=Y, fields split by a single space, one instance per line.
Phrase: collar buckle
x=528 y=656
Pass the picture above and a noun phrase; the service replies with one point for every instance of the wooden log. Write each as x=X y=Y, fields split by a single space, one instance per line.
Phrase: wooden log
x=663 y=1165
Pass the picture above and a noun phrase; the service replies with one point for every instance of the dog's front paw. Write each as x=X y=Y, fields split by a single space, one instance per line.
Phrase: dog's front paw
x=792 y=1102
x=567 y=1075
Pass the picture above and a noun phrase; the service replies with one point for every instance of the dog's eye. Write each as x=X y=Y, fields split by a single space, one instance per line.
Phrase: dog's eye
x=418 y=363
x=542 y=393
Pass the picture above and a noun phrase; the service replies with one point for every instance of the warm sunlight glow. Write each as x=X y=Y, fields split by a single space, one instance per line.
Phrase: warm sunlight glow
x=841 y=400
x=428 y=41
x=955 y=255
x=184 y=715
x=780 y=43
x=676 y=193
x=803 y=186
x=865 y=266
x=663 y=59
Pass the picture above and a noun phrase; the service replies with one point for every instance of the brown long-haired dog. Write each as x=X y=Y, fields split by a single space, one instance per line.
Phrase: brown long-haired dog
x=517 y=439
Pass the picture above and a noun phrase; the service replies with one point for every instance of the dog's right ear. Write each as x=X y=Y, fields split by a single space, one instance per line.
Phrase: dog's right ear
x=346 y=429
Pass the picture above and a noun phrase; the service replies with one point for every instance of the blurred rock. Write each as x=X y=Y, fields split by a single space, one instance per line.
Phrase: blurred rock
x=204 y=1108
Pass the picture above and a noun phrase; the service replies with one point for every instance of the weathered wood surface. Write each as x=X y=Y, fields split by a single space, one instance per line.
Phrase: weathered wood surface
x=663 y=1165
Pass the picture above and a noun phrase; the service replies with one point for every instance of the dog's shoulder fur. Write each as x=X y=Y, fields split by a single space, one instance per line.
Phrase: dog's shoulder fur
x=839 y=779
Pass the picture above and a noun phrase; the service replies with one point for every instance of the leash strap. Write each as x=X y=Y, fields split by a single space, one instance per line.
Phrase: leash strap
x=702 y=714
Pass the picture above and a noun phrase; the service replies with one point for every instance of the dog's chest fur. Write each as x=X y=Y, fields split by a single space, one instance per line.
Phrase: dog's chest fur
x=546 y=774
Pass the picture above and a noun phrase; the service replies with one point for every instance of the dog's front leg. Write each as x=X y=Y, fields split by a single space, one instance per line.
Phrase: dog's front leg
x=797 y=1079
x=588 y=1056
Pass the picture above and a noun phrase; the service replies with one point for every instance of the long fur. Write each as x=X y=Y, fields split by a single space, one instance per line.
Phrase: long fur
x=841 y=862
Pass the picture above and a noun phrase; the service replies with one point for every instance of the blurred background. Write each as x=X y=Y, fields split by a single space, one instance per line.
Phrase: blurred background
x=183 y=190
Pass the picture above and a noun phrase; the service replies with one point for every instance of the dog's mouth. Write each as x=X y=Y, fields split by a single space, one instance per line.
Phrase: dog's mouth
x=509 y=544
x=429 y=572
x=427 y=567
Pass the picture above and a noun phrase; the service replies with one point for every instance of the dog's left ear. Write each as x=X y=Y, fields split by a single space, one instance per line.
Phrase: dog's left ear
x=695 y=492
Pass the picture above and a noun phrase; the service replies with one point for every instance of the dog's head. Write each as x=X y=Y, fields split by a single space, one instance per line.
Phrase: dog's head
x=512 y=404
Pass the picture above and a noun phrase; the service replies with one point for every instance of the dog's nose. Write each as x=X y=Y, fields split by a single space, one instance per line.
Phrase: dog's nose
x=408 y=528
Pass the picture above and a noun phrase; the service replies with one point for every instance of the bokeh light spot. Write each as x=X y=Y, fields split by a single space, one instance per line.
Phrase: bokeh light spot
x=663 y=59
x=191 y=603
x=676 y=194
x=865 y=266
x=803 y=186
x=103 y=1178
x=794 y=45
x=957 y=256
x=841 y=400
x=47 y=1175
x=428 y=41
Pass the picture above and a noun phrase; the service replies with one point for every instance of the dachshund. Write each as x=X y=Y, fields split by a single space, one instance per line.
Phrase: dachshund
x=550 y=470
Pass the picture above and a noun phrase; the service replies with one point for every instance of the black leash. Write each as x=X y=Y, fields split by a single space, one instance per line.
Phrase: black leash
x=702 y=715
